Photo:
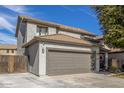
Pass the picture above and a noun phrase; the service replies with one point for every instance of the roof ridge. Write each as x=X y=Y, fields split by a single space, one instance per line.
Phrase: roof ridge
x=72 y=37
x=60 y=39
x=57 y=24
x=59 y=34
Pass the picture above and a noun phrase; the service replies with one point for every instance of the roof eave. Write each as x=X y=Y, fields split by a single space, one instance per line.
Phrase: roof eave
x=36 y=21
x=56 y=41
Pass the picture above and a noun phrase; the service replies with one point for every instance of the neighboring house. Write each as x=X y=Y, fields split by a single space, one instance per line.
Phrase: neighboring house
x=8 y=49
x=54 y=49
x=118 y=55
x=113 y=53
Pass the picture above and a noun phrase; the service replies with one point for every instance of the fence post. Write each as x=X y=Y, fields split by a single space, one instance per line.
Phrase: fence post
x=11 y=64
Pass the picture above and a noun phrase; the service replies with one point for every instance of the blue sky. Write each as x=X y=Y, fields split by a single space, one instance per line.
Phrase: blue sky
x=77 y=16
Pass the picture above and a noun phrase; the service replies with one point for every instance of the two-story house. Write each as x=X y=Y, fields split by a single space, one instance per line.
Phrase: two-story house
x=55 y=49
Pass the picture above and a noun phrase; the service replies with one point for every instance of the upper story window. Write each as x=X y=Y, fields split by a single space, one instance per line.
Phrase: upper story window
x=42 y=30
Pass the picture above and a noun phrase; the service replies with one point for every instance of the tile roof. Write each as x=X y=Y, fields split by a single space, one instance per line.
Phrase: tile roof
x=58 y=26
x=114 y=50
x=6 y=46
x=60 y=38
x=99 y=37
x=104 y=48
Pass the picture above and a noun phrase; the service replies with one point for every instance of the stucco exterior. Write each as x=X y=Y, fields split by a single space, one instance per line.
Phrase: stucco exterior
x=31 y=31
x=38 y=50
x=76 y=35
x=96 y=55
x=8 y=52
x=38 y=54
x=20 y=38
x=32 y=53
x=51 y=30
x=27 y=31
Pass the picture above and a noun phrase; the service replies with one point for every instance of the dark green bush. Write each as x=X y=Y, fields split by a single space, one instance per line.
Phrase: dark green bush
x=114 y=69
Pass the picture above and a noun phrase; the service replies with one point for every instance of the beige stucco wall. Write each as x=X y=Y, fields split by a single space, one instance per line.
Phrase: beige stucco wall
x=96 y=49
x=4 y=52
x=20 y=38
x=38 y=55
x=31 y=31
x=26 y=32
x=32 y=52
x=51 y=30
x=76 y=35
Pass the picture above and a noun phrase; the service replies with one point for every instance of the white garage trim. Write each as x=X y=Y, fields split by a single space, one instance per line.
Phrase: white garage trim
x=43 y=53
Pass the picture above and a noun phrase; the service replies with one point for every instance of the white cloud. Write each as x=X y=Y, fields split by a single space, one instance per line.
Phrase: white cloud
x=8 y=17
x=5 y=24
x=7 y=39
x=17 y=8
x=7 y=21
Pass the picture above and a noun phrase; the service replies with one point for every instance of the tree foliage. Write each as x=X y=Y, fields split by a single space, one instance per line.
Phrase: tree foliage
x=111 y=19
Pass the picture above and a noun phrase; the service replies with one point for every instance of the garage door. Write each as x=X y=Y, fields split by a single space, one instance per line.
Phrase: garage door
x=65 y=62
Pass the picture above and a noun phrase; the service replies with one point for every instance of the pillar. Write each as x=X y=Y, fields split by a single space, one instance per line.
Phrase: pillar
x=106 y=60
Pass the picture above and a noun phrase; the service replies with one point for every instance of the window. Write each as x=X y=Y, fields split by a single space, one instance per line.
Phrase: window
x=8 y=51
x=12 y=51
x=42 y=30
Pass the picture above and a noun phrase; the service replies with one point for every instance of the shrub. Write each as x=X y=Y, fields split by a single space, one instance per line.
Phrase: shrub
x=114 y=69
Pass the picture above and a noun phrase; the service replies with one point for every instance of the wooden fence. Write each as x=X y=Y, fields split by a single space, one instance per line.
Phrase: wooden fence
x=13 y=63
x=119 y=56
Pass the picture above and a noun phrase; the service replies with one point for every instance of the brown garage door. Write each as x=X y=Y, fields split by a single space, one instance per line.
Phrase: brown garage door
x=63 y=62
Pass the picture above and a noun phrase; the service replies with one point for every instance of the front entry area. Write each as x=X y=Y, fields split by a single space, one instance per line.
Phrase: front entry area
x=102 y=62
x=103 y=59
x=67 y=62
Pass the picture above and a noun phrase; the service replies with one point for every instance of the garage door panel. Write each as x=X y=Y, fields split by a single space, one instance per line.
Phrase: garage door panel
x=68 y=65
x=63 y=59
x=67 y=62
x=66 y=71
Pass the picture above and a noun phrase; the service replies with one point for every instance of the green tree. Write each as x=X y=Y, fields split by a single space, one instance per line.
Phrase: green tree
x=111 y=19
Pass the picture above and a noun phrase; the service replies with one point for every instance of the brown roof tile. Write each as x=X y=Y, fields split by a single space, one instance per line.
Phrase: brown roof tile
x=6 y=46
x=60 y=38
x=116 y=50
x=99 y=37
x=58 y=26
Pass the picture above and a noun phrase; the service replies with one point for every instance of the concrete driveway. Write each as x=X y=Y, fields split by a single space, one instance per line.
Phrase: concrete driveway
x=88 y=80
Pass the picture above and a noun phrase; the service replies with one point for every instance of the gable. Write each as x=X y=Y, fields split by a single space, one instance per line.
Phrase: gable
x=50 y=24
